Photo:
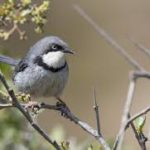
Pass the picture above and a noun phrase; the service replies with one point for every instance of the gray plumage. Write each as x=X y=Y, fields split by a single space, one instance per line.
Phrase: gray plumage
x=44 y=70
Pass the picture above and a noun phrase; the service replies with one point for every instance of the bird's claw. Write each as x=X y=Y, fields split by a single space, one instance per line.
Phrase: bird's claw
x=63 y=108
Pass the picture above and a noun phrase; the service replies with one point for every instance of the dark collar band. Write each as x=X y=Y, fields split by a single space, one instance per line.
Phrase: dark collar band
x=38 y=60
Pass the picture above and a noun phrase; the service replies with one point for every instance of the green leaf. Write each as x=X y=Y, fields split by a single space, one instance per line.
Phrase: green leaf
x=139 y=123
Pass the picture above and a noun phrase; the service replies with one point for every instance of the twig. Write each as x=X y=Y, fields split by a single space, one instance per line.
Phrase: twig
x=14 y=28
x=141 y=74
x=96 y=108
x=131 y=90
x=69 y=115
x=108 y=38
x=141 y=47
x=9 y=105
x=25 y=113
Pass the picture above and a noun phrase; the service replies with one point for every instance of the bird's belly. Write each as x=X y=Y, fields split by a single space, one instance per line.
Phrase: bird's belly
x=39 y=82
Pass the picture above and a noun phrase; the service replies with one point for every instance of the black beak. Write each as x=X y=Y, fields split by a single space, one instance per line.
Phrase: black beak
x=69 y=51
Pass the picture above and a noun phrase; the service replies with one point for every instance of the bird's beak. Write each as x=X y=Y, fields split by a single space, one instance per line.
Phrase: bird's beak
x=69 y=51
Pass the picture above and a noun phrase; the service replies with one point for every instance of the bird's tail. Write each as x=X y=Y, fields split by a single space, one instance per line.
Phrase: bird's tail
x=8 y=60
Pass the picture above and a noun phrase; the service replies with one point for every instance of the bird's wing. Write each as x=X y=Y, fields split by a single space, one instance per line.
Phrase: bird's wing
x=9 y=60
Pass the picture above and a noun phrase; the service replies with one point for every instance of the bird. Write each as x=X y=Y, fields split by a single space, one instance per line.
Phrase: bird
x=43 y=71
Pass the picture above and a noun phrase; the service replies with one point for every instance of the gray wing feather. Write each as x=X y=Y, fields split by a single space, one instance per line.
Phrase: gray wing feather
x=9 y=60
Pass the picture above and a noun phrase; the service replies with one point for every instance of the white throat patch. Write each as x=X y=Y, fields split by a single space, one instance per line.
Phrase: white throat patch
x=54 y=59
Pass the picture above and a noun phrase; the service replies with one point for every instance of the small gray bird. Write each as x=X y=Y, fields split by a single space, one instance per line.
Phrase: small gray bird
x=44 y=69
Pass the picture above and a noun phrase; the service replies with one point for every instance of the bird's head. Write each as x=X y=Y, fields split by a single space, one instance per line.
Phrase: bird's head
x=52 y=51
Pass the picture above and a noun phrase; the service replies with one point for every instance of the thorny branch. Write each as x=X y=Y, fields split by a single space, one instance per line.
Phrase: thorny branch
x=61 y=108
x=96 y=108
x=69 y=115
x=139 y=73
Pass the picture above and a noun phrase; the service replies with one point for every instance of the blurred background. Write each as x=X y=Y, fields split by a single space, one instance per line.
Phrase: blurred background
x=96 y=63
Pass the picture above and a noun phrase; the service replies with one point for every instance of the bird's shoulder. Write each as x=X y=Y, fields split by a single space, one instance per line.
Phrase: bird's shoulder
x=22 y=65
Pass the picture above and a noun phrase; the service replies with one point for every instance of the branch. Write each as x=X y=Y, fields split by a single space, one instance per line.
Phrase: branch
x=9 y=105
x=65 y=111
x=69 y=115
x=141 y=47
x=134 y=76
x=120 y=137
x=108 y=38
x=26 y=114
x=141 y=74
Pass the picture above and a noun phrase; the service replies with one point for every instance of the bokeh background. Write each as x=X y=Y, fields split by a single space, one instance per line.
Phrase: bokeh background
x=96 y=63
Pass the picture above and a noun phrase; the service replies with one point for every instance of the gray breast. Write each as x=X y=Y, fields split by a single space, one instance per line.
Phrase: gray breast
x=40 y=82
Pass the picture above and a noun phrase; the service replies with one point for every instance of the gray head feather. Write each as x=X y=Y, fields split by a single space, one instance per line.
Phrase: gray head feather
x=41 y=46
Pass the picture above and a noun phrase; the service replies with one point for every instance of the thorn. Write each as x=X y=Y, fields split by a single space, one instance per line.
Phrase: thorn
x=96 y=108
x=95 y=101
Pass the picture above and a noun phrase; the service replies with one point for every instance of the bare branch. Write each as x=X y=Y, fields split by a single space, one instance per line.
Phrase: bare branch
x=69 y=115
x=141 y=74
x=141 y=47
x=134 y=76
x=65 y=111
x=108 y=38
x=120 y=137
x=125 y=121
x=9 y=105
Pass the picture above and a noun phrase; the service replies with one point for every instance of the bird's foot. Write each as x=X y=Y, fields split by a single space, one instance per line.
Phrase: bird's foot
x=60 y=101
x=63 y=108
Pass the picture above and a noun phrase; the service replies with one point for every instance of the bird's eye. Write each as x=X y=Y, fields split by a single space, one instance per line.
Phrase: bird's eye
x=54 y=47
